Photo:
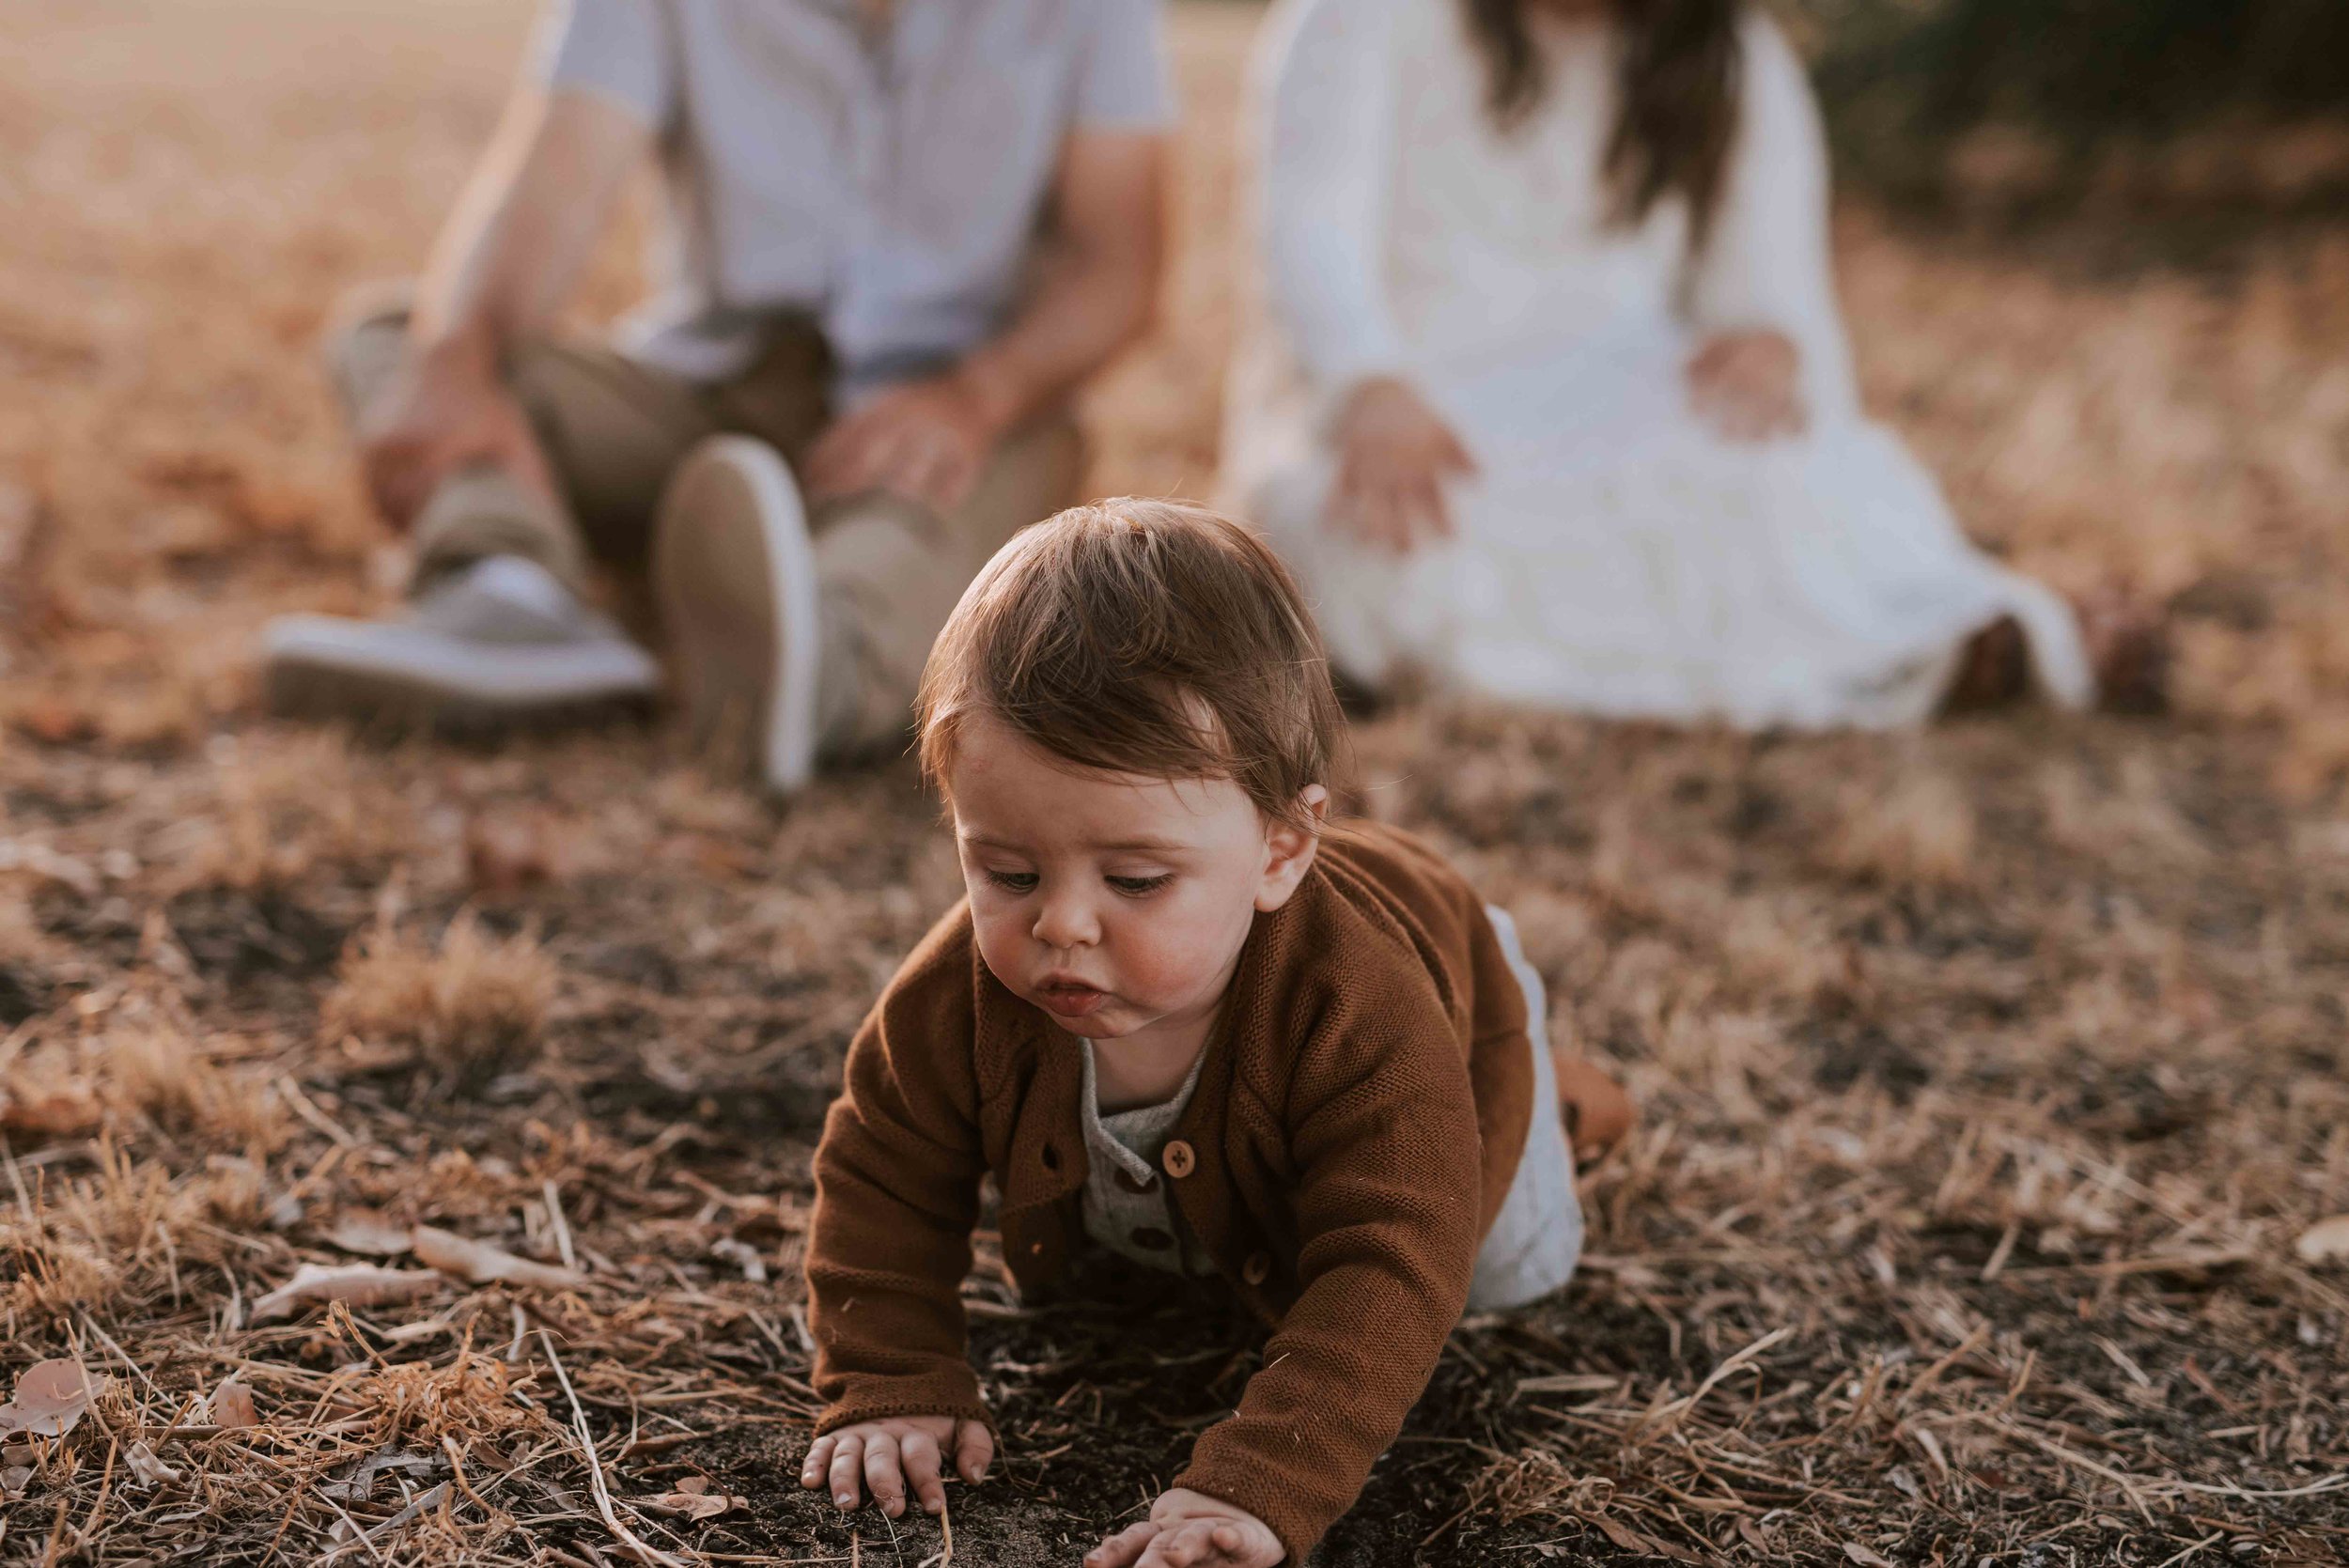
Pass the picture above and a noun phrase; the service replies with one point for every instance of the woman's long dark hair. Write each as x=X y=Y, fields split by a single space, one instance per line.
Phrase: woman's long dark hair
x=1677 y=92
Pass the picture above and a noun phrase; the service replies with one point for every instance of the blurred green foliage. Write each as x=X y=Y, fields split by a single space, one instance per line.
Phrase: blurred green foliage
x=1903 y=79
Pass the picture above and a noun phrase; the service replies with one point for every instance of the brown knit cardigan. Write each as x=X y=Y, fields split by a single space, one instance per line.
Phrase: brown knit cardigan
x=1356 y=1122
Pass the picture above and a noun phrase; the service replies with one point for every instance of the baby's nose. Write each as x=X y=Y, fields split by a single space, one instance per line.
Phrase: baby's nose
x=1065 y=922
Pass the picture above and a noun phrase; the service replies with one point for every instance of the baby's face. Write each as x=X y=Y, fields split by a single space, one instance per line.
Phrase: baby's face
x=1116 y=903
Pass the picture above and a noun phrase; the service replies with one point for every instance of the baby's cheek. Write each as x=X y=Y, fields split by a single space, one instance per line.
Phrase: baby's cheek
x=1170 y=961
x=1000 y=942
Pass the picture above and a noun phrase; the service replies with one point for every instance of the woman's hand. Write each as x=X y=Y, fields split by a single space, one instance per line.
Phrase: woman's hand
x=886 y=1454
x=1393 y=453
x=1743 y=384
x=1190 y=1530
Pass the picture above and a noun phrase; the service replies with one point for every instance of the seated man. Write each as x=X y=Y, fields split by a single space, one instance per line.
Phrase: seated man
x=898 y=234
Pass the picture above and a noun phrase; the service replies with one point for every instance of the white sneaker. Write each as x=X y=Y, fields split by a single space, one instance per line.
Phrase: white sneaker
x=734 y=574
x=494 y=642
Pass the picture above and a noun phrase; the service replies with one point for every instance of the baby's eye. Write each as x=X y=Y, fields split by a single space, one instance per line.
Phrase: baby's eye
x=1012 y=881
x=1135 y=887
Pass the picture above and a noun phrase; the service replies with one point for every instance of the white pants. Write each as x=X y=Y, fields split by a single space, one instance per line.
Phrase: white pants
x=1537 y=1238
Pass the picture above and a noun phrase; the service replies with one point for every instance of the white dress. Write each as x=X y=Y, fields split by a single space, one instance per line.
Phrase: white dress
x=1614 y=555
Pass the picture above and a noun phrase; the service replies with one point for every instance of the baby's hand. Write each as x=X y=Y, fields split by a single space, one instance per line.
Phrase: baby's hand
x=1190 y=1530
x=886 y=1454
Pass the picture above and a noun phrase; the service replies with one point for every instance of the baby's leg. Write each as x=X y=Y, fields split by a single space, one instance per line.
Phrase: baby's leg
x=1537 y=1238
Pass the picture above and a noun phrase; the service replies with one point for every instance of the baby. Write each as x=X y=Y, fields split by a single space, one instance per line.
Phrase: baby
x=1183 y=1017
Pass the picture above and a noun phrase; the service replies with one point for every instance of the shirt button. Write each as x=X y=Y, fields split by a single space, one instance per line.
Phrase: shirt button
x=1129 y=1182
x=1257 y=1269
x=1152 y=1237
x=1179 y=1160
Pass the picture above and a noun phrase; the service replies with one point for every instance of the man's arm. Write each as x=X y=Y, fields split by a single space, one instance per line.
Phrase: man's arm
x=506 y=258
x=1098 y=292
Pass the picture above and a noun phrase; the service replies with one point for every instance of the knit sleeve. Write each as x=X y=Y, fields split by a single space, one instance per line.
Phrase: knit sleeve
x=896 y=1195
x=1766 y=260
x=1383 y=1131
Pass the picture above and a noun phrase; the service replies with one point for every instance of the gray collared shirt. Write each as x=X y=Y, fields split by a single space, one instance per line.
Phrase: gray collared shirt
x=1125 y=1205
x=890 y=182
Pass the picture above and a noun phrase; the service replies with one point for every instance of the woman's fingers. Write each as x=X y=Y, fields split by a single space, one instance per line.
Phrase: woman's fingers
x=1435 y=519
x=818 y=1459
x=919 y=1454
x=883 y=1476
x=848 y=1465
x=1124 y=1549
x=975 y=1449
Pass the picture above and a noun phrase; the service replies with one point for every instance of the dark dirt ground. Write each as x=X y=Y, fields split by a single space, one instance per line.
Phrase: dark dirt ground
x=1992 y=1076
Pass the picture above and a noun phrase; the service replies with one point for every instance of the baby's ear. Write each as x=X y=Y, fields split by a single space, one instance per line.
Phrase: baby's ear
x=1290 y=846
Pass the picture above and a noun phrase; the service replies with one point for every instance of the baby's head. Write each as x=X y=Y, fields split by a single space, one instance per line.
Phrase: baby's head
x=1130 y=715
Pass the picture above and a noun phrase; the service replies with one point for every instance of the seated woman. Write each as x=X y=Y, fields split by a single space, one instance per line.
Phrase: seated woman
x=1549 y=398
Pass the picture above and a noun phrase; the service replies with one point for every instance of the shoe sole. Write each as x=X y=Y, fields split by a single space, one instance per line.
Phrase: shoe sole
x=734 y=575
x=315 y=667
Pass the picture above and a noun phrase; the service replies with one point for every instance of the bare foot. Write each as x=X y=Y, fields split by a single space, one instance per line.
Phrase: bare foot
x=2128 y=646
x=1993 y=670
x=1598 y=1114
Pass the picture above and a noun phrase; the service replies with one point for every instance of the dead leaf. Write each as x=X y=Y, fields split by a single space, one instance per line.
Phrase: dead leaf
x=55 y=721
x=482 y=1263
x=232 y=1407
x=697 y=1504
x=369 y=1235
x=147 y=1470
x=66 y=1109
x=14 y=1479
x=743 y=1256
x=358 y=1284
x=2327 y=1241
x=52 y=1398
x=357 y=1484
x=1863 y=1555
x=508 y=851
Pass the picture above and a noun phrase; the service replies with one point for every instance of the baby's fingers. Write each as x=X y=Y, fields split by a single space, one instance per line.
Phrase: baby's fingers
x=882 y=1474
x=819 y=1458
x=1123 y=1549
x=848 y=1465
x=919 y=1452
x=975 y=1449
x=1191 y=1545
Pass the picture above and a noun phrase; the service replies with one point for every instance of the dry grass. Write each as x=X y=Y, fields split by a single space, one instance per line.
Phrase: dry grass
x=1990 y=1075
x=468 y=1006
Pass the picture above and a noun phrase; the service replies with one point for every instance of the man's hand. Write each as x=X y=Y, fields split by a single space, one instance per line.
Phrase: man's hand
x=886 y=1454
x=928 y=441
x=1743 y=385
x=1190 y=1530
x=1393 y=453
x=445 y=410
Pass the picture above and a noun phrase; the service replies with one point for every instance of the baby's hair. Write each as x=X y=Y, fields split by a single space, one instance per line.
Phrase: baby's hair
x=1144 y=637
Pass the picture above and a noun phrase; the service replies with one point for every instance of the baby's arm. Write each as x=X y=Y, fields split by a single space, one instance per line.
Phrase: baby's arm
x=897 y=1194
x=1385 y=1135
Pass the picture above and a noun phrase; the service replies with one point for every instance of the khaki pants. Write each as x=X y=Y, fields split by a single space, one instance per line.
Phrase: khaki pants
x=889 y=572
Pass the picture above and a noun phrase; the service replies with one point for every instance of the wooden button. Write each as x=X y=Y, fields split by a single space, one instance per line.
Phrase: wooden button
x=1257 y=1269
x=1179 y=1160
x=1153 y=1239
x=1136 y=1185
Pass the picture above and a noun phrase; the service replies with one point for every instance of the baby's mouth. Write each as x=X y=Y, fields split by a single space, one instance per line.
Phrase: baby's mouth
x=1071 y=999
